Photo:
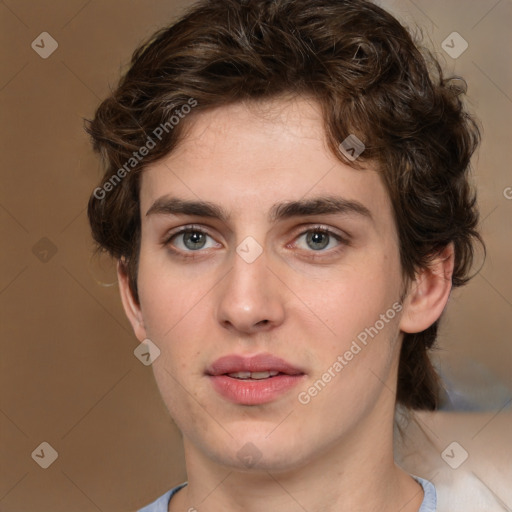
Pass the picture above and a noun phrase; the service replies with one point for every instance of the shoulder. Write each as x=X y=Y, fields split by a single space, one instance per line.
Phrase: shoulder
x=466 y=456
x=429 y=503
x=161 y=504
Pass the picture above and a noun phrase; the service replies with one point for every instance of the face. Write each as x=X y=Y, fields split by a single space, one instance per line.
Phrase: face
x=287 y=262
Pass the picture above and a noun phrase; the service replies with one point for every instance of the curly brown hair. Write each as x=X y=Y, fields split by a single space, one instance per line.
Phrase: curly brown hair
x=371 y=79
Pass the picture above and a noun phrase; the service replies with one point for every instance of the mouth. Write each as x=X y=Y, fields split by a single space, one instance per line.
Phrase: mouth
x=253 y=380
x=259 y=366
x=254 y=375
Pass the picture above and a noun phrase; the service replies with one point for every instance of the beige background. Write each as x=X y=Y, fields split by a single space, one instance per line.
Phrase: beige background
x=68 y=373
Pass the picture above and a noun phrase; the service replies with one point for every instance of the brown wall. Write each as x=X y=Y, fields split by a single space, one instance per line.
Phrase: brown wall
x=68 y=373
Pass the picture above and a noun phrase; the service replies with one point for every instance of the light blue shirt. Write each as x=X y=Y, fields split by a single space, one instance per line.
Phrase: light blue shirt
x=429 y=503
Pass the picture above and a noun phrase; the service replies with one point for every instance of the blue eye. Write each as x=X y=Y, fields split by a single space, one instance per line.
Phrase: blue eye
x=318 y=239
x=191 y=239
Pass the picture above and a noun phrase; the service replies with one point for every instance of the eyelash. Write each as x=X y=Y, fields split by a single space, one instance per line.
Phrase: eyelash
x=343 y=240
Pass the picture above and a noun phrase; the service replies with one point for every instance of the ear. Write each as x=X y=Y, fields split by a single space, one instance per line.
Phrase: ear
x=130 y=305
x=428 y=293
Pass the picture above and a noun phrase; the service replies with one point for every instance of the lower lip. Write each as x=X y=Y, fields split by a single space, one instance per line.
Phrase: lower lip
x=254 y=392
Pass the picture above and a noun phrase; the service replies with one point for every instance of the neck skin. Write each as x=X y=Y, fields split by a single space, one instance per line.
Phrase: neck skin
x=357 y=473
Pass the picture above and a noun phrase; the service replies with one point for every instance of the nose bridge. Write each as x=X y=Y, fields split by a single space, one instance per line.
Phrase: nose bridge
x=249 y=298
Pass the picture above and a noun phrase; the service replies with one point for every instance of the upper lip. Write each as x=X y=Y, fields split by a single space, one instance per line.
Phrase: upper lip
x=257 y=363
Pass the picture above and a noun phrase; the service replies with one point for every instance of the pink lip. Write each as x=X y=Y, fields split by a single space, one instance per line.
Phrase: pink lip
x=257 y=363
x=253 y=392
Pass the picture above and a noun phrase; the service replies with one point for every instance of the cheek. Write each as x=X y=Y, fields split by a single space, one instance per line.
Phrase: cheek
x=191 y=412
x=360 y=307
x=176 y=311
x=170 y=298
x=352 y=297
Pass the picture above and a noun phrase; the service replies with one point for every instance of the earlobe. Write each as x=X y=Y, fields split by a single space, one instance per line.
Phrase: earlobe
x=131 y=307
x=429 y=293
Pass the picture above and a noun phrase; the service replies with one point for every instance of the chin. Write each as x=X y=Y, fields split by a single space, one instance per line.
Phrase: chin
x=252 y=453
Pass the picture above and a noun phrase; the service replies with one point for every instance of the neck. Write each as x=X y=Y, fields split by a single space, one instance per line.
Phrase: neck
x=357 y=473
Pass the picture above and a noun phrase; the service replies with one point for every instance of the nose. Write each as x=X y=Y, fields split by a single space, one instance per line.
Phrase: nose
x=250 y=297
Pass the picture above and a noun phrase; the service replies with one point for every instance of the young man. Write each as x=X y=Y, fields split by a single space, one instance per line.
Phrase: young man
x=287 y=196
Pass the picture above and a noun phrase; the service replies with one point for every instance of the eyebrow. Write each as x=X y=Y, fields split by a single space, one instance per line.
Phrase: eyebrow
x=323 y=205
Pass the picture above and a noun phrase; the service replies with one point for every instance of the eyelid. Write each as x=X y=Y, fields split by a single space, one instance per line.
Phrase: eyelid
x=183 y=254
x=169 y=235
x=342 y=236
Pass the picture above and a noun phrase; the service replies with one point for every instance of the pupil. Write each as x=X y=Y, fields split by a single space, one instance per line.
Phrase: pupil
x=196 y=240
x=316 y=238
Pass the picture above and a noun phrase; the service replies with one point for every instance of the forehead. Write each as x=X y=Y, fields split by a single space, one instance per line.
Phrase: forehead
x=248 y=157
